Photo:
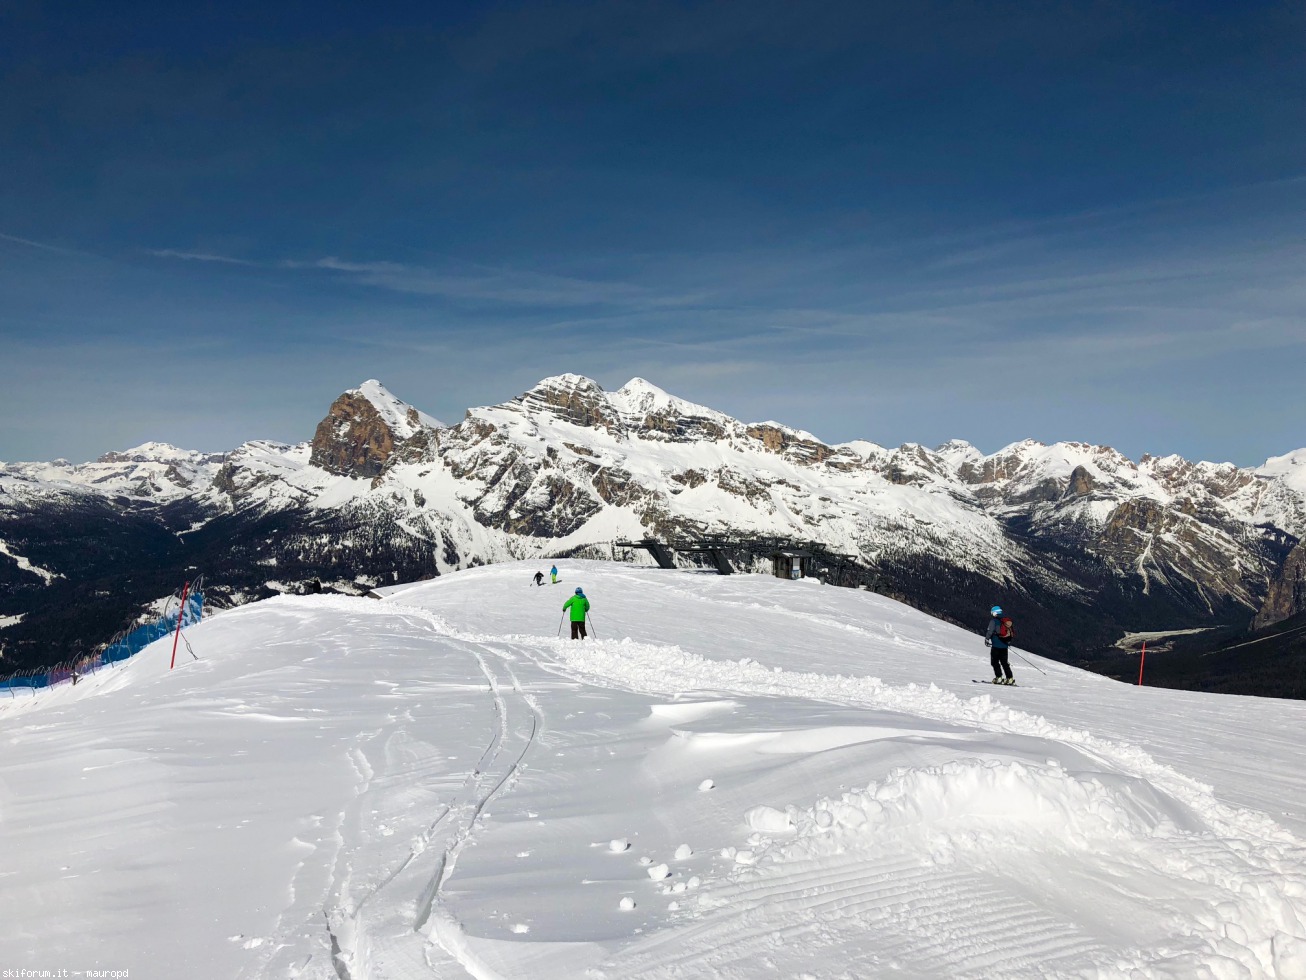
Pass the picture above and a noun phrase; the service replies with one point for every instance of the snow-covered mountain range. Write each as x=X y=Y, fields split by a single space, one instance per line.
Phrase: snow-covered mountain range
x=1090 y=542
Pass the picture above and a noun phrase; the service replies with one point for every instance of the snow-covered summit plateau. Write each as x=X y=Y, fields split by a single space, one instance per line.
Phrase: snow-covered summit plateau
x=741 y=777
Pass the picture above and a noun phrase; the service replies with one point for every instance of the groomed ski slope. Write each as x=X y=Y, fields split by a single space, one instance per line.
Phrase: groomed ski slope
x=777 y=779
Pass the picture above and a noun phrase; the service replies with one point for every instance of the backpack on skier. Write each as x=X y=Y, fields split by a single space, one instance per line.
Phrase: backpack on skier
x=1006 y=629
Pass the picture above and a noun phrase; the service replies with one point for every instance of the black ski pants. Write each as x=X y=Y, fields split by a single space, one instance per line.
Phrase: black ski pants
x=998 y=657
x=578 y=629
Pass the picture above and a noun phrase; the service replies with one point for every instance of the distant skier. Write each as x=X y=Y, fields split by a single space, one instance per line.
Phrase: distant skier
x=579 y=606
x=539 y=578
x=553 y=574
x=998 y=637
x=315 y=586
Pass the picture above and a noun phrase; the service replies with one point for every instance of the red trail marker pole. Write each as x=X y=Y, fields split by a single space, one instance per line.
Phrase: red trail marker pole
x=180 y=613
x=1141 y=660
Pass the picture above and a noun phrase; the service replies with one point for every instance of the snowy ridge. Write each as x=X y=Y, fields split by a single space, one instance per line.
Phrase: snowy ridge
x=153 y=470
x=1289 y=470
x=638 y=398
x=404 y=420
x=721 y=786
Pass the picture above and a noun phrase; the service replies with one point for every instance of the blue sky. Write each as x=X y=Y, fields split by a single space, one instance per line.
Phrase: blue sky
x=898 y=222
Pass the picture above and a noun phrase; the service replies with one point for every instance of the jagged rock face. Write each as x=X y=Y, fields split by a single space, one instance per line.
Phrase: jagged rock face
x=787 y=443
x=1218 y=479
x=525 y=469
x=639 y=409
x=353 y=439
x=367 y=429
x=1287 y=593
x=1081 y=483
x=580 y=402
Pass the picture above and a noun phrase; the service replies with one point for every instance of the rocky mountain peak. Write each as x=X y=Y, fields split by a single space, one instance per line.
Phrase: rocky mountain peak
x=571 y=397
x=638 y=398
x=638 y=409
x=404 y=420
x=638 y=389
x=645 y=410
x=365 y=429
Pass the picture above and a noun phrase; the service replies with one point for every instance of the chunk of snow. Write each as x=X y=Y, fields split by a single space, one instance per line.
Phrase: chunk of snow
x=768 y=820
x=683 y=852
x=706 y=785
x=618 y=844
x=626 y=904
x=659 y=871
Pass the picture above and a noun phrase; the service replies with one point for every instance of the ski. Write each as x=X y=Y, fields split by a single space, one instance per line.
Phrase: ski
x=991 y=684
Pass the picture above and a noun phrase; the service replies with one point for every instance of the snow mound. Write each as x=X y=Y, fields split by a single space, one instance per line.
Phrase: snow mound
x=1069 y=838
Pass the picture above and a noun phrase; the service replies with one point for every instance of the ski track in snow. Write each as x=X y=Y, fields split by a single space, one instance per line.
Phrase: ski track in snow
x=991 y=842
x=387 y=945
x=1228 y=849
x=1206 y=852
x=927 y=917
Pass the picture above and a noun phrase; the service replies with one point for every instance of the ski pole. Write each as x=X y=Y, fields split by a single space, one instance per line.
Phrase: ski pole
x=564 y=616
x=1035 y=666
x=591 y=622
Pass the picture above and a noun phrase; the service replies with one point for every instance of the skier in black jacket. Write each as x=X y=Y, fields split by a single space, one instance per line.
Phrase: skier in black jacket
x=997 y=638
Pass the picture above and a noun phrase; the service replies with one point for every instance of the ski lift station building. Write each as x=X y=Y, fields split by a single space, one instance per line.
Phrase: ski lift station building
x=791 y=563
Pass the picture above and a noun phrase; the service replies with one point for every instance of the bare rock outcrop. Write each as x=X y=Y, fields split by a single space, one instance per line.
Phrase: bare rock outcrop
x=1287 y=593
x=353 y=439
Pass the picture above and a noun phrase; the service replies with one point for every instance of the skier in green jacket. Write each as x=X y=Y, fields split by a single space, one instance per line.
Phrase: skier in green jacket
x=579 y=606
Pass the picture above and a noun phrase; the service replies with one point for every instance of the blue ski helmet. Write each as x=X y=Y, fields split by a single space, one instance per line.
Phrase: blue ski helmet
x=995 y=611
x=580 y=591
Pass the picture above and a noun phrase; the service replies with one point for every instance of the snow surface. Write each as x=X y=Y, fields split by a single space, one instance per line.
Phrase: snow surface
x=806 y=781
x=396 y=414
x=1290 y=469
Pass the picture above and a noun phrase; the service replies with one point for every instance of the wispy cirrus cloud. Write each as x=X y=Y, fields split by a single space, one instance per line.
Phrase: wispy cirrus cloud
x=172 y=253
x=508 y=286
x=42 y=246
x=513 y=286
